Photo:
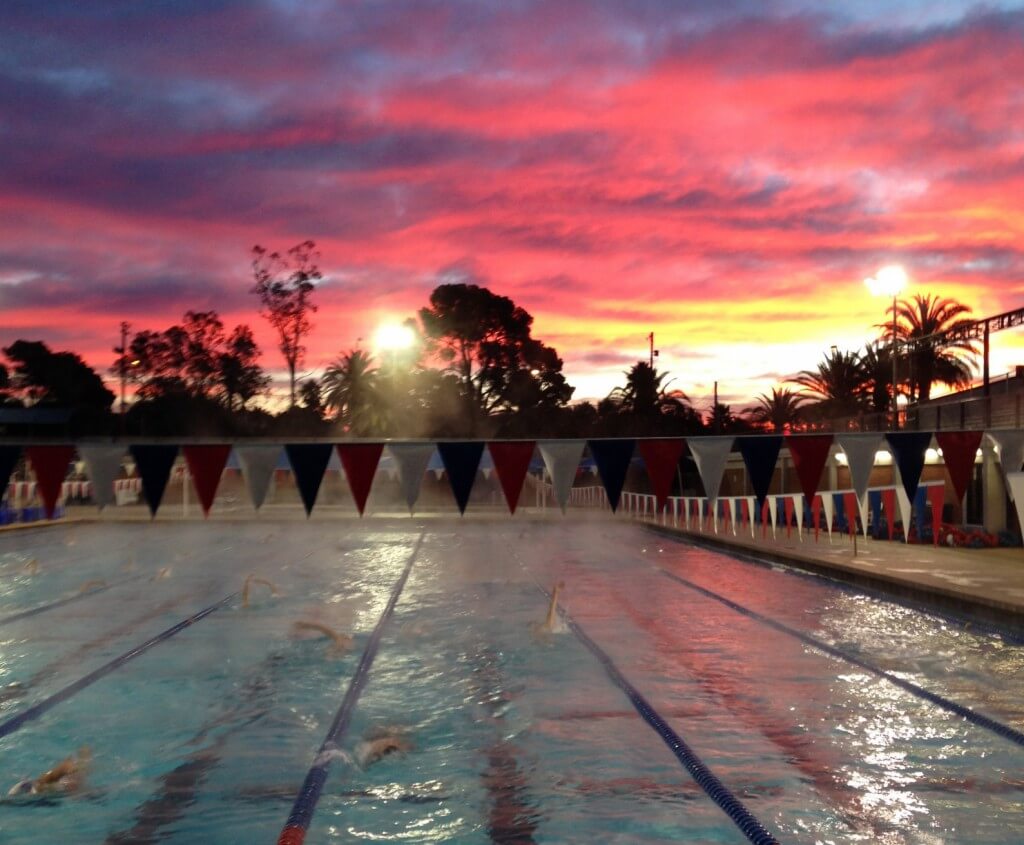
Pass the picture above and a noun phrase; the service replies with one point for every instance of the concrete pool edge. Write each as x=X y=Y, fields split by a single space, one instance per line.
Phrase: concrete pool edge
x=969 y=607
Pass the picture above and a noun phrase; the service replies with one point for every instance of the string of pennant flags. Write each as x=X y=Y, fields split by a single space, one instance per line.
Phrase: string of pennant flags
x=511 y=461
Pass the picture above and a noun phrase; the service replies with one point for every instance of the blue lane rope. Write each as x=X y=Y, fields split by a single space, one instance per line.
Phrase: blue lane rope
x=25 y=614
x=37 y=710
x=294 y=831
x=979 y=719
x=705 y=778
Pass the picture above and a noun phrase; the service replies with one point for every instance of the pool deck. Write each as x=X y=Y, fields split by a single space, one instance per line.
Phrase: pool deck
x=983 y=585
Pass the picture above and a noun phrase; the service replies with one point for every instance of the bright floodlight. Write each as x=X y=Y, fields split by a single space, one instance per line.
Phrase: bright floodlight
x=394 y=336
x=888 y=281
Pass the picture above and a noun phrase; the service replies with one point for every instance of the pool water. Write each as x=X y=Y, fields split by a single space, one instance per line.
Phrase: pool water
x=516 y=736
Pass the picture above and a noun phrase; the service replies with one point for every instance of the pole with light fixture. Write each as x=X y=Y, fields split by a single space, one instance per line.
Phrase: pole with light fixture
x=890 y=281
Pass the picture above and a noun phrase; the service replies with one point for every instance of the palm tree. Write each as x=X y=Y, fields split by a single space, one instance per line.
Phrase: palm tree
x=946 y=360
x=721 y=420
x=876 y=361
x=350 y=386
x=645 y=394
x=782 y=410
x=837 y=386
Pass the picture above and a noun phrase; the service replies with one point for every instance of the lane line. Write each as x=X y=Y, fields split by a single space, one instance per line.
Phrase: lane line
x=999 y=728
x=297 y=825
x=33 y=611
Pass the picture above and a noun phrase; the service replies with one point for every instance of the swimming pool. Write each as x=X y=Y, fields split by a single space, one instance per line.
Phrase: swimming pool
x=516 y=737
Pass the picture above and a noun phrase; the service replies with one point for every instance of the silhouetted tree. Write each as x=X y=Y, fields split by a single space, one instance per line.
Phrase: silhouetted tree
x=876 y=365
x=837 y=387
x=43 y=377
x=309 y=396
x=722 y=420
x=284 y=285
x=351 y=386
x=486 y=340
x=944 y=360
x=237 y=371
x=781 y=411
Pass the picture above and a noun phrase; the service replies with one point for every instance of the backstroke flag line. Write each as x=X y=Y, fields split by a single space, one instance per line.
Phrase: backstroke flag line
x=1015 y=481
x=154 y=462
x=959 y=449
x=810 y=454
x=104 y=466
x=412 y=460
x=50 y=464
x=258 y=464
x=612 y=458
x=760 y=454
x=1011 y=452
x=860 y=452
x=908 y=449
x=711 y=455
x=309 y=463
x=562 y=458
x=661 y=458
x=461 y=461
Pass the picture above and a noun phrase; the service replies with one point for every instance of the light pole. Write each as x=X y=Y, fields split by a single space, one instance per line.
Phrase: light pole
x=890 y=281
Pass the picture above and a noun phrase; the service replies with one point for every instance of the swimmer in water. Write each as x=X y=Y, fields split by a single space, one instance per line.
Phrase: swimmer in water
x=342 y=642
x=66 y=776
x=253 y=579
x=380 y=743
x=92 y=585
x=165 y=572
x=551 y=624
x=32 y=567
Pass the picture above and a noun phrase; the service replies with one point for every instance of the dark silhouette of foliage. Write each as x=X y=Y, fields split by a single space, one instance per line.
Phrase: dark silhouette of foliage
x=782 y=411
x=352 y=387
x=946 y=361
x=486 y=340
x=722 y=420
x=239 y=375
x=837 y=387
x=284 y=285
x=59 y=379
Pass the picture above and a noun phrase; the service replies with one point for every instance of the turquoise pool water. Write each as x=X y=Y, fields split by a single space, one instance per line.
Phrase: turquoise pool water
x=515 y=737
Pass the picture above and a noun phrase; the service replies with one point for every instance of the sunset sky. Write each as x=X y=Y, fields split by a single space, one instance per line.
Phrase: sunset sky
x=725 y=174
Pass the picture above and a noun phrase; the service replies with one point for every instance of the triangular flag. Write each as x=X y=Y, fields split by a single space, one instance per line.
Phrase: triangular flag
x=309 y=463
x=798 y=509
x=850 y=506
x=959 y=449
x=360 y=462
x=104 y=466
x=773 y=511
x=810 y=454
x=732 y=514
x=412 y=460
x=50 y=464
x=8 y=459
x=908 y=449
x=748 y=508
x=789 y=510
x=612 y=458
x=816 y=515
x=258 y=465
x=154 y=462
x=562 y=458
x=936 y=499
x=206 y=465
x=711 y=455
x=511 y=463
x=1015 y=481
x=760 y=454
x=461 y=461
x=903 y=502
x=860 y=452
x=1011 y=449
x=889 y=506
x=661 y=458
x=828 y=504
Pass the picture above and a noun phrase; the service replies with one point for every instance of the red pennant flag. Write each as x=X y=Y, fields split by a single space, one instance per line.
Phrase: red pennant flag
x=661 y=457
x=850 y=505
x=206 y=465
x=959 y=449
x=889 y=506
x=50 y=464
x=809 y=456
x=511 y=462
x=744 y=512
x=787 y=505
x=936 y=498
x=816 y=515
x=360 y=462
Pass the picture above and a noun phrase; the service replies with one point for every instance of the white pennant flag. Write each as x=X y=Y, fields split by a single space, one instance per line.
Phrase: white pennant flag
x=903 y=503
x=860 y=458
x=104 y=465
x=828 y=504
x=258 y=465
x=1011 y=453
x=412 y=460
x=751 y=507
x=710 y=454
x=1015 y=481
x=773 y=513
x=734 y=509
x=562 y=458
x=798 y=509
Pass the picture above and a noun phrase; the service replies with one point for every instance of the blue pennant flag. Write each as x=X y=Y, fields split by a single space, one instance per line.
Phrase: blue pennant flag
x=612 y=458
x=875 y=508
x=461 y=461
x=920 y=505
x=908 y=448
x=154 y=462
x=760 y=455
x=309 y=462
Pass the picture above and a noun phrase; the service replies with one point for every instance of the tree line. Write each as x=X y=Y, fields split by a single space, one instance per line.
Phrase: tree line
x=471 y=367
